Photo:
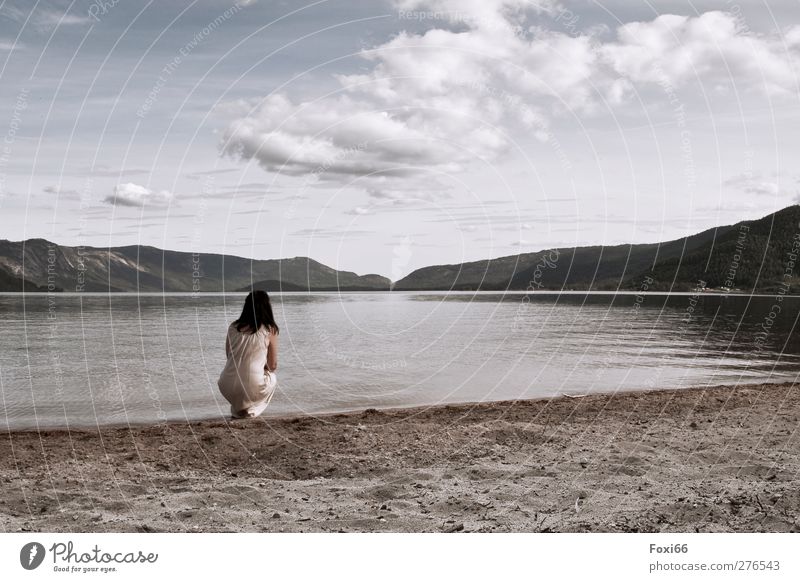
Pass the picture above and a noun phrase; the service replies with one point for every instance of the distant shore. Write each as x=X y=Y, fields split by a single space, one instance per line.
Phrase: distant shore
x=624 y=292
x=701 y=459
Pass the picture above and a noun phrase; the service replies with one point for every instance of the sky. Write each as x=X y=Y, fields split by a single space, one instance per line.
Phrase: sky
x=383 y=136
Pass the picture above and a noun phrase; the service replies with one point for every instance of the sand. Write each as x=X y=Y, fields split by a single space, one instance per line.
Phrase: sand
x=712 y=459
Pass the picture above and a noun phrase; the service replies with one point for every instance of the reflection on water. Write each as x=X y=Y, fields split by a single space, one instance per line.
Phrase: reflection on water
x=75 y=360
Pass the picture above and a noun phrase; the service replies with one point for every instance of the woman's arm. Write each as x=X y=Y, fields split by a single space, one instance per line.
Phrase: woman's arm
x=272 y=352
x=227 y=346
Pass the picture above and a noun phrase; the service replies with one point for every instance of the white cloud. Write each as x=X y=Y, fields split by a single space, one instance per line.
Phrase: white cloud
x=437 y=101
x=359 y=211
x=130 y=194
x=754 y=183
x=792 y=36
x=713 y=46
x=432 y=101
x=61 y=192
x=43 y=19
x=763 y=188
x=53 y=18
x=401 y=257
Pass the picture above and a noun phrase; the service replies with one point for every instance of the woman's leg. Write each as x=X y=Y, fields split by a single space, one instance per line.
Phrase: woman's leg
x=271 y=383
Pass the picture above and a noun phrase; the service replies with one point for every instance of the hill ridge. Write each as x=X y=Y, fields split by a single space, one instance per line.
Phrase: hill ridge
x=750 y=255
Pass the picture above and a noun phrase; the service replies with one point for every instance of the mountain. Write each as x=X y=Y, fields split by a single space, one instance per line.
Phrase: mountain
x=35 y=264
x=760 y=255
x=9 y=282
x=750 y=255
x=303 y=274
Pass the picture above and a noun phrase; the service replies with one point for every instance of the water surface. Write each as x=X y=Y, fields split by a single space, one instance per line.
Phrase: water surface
x=115 y=359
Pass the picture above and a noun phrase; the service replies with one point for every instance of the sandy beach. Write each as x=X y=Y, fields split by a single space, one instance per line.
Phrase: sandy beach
x=712 y=459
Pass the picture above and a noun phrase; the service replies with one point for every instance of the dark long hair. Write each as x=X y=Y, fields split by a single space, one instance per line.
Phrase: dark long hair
x=257 y=311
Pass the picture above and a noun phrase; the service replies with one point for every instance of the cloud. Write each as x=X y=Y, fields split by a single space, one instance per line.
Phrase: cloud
x=51 y=18
x=359 y=211
x=61 y=192
x=712 y=47
x=401 y=257
x=754 y=183
x=331 y=233
x=106 y=171
x=8 y=46
x=135 y=195
x=487 y=72
x=402 y=118
x=763 y=188
x=201 y=175
x=43 y=19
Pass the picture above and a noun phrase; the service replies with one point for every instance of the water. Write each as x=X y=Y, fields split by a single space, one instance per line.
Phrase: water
x=87 y=360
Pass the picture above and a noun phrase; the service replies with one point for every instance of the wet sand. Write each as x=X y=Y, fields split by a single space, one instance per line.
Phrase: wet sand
x=712 y=459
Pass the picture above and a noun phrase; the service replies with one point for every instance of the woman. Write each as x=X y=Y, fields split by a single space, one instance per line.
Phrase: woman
x=248 y=380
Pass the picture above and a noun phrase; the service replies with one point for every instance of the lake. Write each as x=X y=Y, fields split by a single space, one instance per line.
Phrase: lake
x=83 y=360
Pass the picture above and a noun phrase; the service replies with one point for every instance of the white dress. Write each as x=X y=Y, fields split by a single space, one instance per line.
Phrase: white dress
x=245 y=381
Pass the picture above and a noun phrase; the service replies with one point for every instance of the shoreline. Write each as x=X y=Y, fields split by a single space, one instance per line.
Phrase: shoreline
x=723 y=458
x=78 y=429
